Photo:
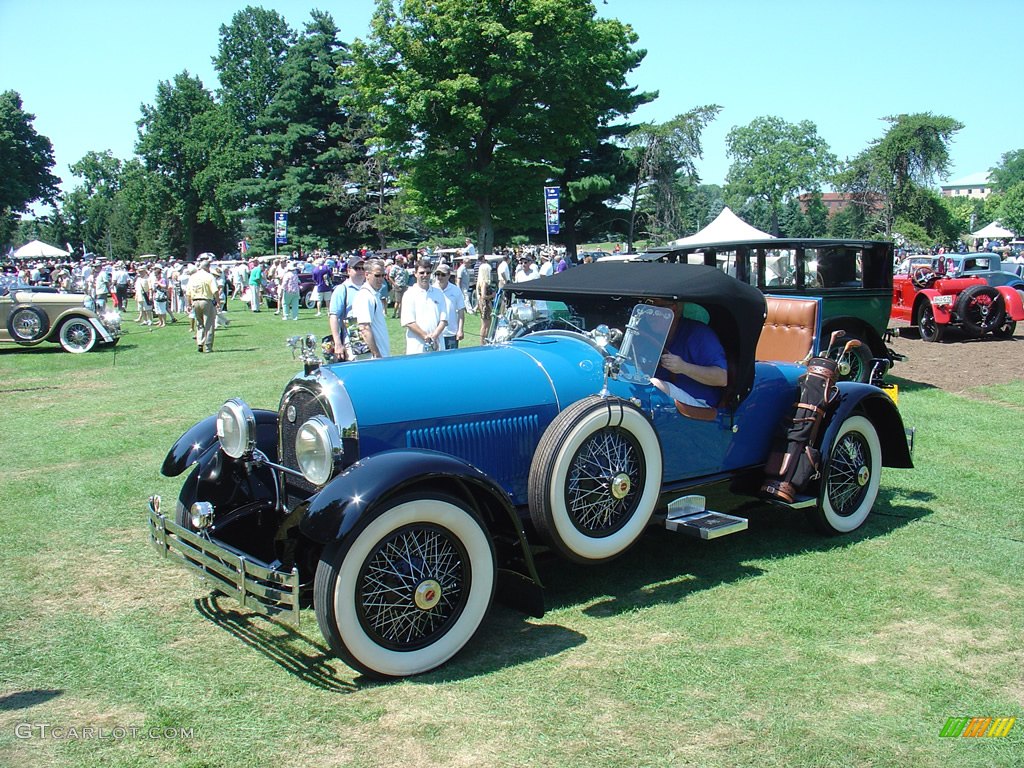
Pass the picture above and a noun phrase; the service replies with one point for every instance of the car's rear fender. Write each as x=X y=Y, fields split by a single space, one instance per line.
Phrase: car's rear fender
x=881 y=411
x=201 y=438
x=358 y=495
x=1012 y=301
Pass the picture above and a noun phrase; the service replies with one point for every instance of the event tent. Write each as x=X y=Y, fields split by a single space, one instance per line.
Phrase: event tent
x=992 y=230
x=727 y=227
x=37 y=249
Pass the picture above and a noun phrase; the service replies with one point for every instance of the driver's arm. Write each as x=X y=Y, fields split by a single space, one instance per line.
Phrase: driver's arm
x=712 y=375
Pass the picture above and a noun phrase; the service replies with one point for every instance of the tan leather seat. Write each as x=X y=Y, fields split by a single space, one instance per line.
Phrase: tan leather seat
x=788 y=333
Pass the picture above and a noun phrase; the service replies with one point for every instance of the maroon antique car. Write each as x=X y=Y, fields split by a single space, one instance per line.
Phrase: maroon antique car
x=935 y=302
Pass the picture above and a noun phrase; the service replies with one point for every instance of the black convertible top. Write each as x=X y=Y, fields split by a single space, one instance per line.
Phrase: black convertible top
x=736 y=310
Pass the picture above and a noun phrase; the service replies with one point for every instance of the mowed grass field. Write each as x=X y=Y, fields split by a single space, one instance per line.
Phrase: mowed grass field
x=773 y=647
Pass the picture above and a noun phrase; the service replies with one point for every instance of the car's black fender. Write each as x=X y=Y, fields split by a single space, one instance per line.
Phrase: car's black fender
x=354 y=498
x=201 y=438
x=881 y=411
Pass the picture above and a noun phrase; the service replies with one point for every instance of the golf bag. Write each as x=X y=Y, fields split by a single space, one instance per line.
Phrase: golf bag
x=795 y=461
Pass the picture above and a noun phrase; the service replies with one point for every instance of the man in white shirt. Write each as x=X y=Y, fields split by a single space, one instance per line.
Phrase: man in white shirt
x=546 y=267
x=456 y=307
x=527 y=271
x=369 y=313
x=424 y=313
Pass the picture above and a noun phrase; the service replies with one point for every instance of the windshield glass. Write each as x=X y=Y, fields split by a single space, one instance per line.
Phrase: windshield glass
x=644 y=341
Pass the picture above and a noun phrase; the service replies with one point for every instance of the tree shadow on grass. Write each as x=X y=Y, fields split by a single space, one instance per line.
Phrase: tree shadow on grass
x=26 y=699
x=666 y=567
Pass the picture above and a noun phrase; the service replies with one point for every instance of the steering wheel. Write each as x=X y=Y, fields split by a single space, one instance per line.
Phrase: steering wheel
x=923 y=276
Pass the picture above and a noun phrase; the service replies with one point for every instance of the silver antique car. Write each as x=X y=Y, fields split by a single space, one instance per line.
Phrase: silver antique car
x=30 y=315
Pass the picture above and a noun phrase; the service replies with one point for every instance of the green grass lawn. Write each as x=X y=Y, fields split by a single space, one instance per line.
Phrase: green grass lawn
x=773 y=647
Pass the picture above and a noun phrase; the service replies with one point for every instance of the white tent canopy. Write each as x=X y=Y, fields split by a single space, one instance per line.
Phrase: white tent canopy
x=725 y=228
x=37 y=249
x=992 y=230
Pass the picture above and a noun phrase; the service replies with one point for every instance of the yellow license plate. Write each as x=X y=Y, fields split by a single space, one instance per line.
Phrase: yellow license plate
x=893 y=391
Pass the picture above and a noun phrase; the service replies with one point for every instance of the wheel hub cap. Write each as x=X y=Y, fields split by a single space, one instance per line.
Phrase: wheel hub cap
x=427 y=594
x=863 y=475
x=620 y=486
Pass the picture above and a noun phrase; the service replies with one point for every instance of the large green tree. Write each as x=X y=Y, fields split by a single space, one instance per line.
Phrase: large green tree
x=178 y=136
x=889 y=175
x=775 y=161
x=665 y=155
x=250 y=56
x=1011 y=209
x=26 y=158
x=89 y=207
x=1009 y=172
x=487 y=100
x=306 y=143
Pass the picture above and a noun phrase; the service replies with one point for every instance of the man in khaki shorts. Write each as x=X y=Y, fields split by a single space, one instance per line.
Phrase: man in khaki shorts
x=484 y=295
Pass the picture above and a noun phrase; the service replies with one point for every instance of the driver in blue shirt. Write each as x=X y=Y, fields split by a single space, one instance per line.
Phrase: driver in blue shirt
x=693 y=367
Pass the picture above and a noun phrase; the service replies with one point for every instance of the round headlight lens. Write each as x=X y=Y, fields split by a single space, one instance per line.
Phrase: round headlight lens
x=317 y=448
x=236 y=428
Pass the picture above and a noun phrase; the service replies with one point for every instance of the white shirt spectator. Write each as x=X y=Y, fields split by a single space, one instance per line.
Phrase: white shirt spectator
x=428 y=309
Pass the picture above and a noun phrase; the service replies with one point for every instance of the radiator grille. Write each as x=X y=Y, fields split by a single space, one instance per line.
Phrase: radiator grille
x=307 y=405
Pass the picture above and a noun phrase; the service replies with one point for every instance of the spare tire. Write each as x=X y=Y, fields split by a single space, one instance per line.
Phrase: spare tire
x=28 y=324
x=981 y=309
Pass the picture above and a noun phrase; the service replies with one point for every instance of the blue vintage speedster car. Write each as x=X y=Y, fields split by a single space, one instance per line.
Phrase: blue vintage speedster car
x=401 y=495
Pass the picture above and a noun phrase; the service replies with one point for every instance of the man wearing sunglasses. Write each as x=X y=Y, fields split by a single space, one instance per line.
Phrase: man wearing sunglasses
x=369 y=313
x=424 y=313
x=456 y=307
x=342 y=301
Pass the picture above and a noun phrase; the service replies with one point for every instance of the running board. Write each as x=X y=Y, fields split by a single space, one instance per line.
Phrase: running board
x=689 y=515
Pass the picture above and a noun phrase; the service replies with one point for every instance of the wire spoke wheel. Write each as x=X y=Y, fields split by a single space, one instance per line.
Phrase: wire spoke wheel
x=595 y=479
x=849 y=487
x=601 y=489
x=404 y=593
x=412 y=586
x=848 y=475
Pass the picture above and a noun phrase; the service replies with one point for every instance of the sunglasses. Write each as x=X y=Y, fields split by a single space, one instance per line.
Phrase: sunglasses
x=358 y=268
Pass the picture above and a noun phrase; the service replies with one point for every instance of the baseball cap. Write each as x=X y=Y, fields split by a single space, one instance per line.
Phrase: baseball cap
x=443 y=269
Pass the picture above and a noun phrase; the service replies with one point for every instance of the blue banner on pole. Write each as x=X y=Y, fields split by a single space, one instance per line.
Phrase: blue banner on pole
x=280 y=227
x=551 y=199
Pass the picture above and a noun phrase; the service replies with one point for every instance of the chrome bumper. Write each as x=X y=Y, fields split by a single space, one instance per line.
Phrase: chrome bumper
x=254 y=584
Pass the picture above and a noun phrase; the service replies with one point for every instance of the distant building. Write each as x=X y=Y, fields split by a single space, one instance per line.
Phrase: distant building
x=976 y=185
x=833 y=202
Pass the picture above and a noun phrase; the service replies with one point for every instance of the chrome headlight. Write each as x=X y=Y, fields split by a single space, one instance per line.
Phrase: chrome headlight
x=111 y=320
x=236 y=428
x=317 y=448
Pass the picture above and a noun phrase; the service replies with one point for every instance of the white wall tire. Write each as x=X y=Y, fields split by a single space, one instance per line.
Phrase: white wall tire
x=849 y=485
x=595 y=479
x=409 y=590
x=77 y=335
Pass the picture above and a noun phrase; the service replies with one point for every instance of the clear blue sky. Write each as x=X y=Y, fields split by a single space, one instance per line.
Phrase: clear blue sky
x=84 y=67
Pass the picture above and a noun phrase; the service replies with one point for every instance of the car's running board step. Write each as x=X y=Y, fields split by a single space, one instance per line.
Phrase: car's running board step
x=689 y=515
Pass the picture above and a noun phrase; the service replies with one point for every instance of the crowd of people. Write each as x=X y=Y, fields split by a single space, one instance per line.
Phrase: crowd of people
x=430 y=293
